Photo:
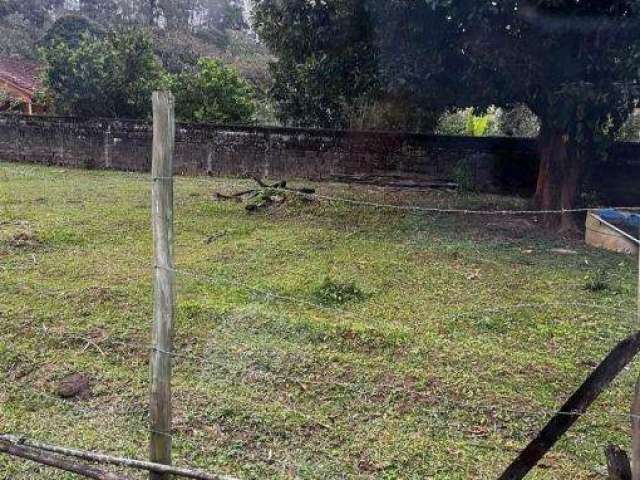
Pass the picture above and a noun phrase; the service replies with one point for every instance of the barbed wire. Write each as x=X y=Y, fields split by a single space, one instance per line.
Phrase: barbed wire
x=444 y=403
x=303 y=302
x=417 y=208
x=387 y=206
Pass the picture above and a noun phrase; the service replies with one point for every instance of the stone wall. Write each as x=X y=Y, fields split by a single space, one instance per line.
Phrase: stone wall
x=492 y=164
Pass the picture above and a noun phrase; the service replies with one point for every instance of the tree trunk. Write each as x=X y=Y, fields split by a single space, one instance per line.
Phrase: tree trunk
x=559 y=178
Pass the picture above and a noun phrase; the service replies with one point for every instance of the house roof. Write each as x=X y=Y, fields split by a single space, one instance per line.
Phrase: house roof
x=22 y=73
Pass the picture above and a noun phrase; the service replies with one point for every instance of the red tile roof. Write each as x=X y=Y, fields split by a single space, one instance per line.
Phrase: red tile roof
x=20 y=72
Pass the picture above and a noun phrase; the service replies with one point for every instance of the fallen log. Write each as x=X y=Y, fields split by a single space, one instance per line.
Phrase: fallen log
x=574 y=407
x=55 y=461
x=234 y=196
x=282 y=185
x=108 y=459
x=396 y=182
x=265 y=192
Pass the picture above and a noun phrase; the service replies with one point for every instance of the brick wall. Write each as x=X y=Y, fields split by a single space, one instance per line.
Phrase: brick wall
x=498 y=164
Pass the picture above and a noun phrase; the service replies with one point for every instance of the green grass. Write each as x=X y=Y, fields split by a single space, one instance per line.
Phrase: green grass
x=415 y=367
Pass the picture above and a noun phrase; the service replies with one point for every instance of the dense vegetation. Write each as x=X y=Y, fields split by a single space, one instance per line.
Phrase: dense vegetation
x=573 y=64
x=84 y=40
x=563 y=70
x=202 y=23
x=90 y=73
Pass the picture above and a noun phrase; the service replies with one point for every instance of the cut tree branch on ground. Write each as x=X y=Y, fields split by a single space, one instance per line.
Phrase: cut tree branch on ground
x=265 y=192
x=20 y=442
x=55 y=461
x=282 y=185
x=574 y=407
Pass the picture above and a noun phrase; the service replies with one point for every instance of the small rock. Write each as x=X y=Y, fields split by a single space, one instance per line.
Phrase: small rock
x=73 y=386
x=563 y=251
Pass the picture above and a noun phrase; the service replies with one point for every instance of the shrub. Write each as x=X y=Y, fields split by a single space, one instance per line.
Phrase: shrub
x=213 y=92
x=334 y=293
x=110 y=77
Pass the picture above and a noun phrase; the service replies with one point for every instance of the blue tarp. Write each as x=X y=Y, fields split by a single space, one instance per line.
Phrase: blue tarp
x=617 y=217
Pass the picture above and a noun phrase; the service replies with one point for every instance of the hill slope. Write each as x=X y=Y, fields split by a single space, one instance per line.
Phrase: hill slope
x=183 y=29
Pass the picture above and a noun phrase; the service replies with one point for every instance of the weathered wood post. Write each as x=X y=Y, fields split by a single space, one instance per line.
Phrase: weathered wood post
x=635 y=434
x=164 y=280
x=635 y=405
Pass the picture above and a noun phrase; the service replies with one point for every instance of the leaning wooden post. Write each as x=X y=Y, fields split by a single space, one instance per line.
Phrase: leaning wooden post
x=164 y=280
x=635 y=405
x=622 y=354
x=635 y=434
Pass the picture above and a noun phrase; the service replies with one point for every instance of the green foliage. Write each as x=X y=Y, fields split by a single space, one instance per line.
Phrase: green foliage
x=198 y=27
x=477 y=125
x=326 y=58
x=517 y=121
x=463 y=175
x=334 y=293
x=71 y=30
x=573 y=64
x=630 y=129
x=11 y=104
x=598 y=281
x=465 y=122
x=213 y=93
x=111 y=77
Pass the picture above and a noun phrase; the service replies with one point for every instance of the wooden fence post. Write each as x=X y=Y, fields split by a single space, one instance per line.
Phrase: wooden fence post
x=164 y=280
x=635 y=405
x=635 y=433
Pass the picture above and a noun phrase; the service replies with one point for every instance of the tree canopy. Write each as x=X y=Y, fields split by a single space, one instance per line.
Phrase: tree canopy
x=574 y=63
x=110 y=77
x=26 y=22
x=213 y=93
x=114 y=74
x=325 y=58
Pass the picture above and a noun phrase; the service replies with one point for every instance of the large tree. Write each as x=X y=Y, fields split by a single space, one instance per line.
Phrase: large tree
x=215 y=93
x=574 y=63
x=325 y=58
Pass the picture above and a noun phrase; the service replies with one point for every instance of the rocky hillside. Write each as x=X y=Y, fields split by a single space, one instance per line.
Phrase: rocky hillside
x=184 y=29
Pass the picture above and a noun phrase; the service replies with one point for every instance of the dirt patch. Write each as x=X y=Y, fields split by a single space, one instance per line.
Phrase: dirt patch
x=24 y=240
x=74 y=386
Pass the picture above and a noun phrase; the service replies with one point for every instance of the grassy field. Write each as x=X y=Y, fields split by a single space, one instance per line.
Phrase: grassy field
x=422 y=362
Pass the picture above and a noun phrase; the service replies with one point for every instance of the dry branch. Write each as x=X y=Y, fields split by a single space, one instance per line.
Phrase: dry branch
x=265 y=194
x=396 y=182
x=577 y=404
x=55 y=461
x=280 y=184
x=108 y=459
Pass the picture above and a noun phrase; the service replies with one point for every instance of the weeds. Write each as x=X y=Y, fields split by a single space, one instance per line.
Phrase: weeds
x=331 y=292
